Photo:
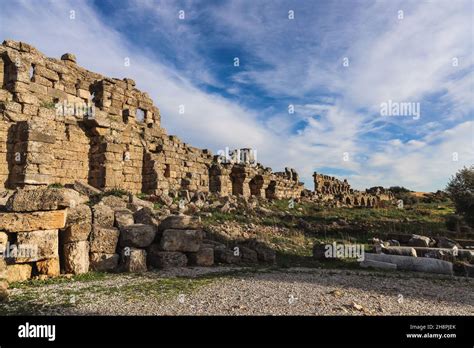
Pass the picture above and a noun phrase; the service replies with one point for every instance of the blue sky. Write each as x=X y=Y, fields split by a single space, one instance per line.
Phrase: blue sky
x=403 y=51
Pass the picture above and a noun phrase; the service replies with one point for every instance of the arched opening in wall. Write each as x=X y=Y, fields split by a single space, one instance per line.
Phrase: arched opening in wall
x=32 y=71
x=362 y=201
x=237 y=185
x=369 y=202
x=348 y=201
x=140 y=115
x=374 y=202
x=356 y=201
x=270 y=190
x=256 y=185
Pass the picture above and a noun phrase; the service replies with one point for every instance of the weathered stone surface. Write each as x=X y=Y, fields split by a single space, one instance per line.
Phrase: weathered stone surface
x=137 y=235
x=114 y=202
x=264 y=252
x=49 y=267
x=133 y=260
x=444 y=242
x=3 y=291
x=103 y=240
x=123 y=218
x=180 y=222
x=18 y=272
x=203 y=257
x=103 y=215
x=76 y=257
x=39 y=199
x=45 y=243
x=224 y=255
x=165 y=259
x=81 y=213
x=140 y=202
x=86 y=189
x=378 y=265
x=76 y=232
x=103 y=262
x=420 y=241
x=396 y=250
x=248 y=255
x=181 y=240
x=146 y=216
x=3 y=240
x=418 y=264
x=25 y=222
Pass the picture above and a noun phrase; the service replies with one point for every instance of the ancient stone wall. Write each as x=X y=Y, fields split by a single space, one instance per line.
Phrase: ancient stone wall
x=61 y=123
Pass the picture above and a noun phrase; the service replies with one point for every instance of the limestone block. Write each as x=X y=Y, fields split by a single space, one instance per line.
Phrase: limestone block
x=137 y=235
x=123 y=218
x=18 y=272
x=103 y=240
x=103 y=262
x=44 y=245
x=203 y=257
x=103 y=216
x=25 y=222
x=76 y=257
x=180 y=222
x=76 y=232
x=49 y=267
x=40 y=199
x=133 y=260
x=165 y=259
x=181 y=240
x=418 y=264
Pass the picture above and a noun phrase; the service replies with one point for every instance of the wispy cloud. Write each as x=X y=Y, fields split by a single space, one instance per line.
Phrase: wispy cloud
x=336 y=123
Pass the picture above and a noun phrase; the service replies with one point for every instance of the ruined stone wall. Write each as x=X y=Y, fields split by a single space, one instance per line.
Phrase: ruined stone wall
x=61 y=123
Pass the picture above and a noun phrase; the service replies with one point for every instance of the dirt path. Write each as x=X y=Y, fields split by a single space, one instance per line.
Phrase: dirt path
x=225 y=291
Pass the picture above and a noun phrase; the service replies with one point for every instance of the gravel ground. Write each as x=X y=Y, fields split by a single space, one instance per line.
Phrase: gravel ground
x=264 y=292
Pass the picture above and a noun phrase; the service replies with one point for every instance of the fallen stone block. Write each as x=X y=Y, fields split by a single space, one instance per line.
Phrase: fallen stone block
x=203 y=257
x=378 y=265
x=140 y=202
x=39 y=245
x=103 y=240
x=86 y=189
x=399 y=250
x=76 y=232
x=146 y=216
x=103 y=262
x=81 y=213
x=114 y=202
x=181 y=240
x=123 y=218
x=417 y=264
x=76 y=257
x=461 y=254
x=248 y=255
x=133 y=260
x=137 y=235
x=103 y=215
x=18 y=272
x=38 y=199
x=224 y=255
x=49 y=267
x=165 y=259
x=26 y=222
x=419 y=241
x=180 y=222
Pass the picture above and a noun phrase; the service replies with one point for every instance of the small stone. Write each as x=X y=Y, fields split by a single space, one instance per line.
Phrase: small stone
x=69 y=57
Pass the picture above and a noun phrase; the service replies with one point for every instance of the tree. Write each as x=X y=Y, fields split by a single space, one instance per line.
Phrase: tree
x=461 y=191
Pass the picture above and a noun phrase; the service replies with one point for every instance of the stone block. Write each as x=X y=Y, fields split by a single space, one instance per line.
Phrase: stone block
x=133 y=260
x=137 y=235
x=18 y=272
x=181 y=240
x=33 y=221
x=44 y=244
x=180 y=222
x=123 y=218
x=203 y=257
x=49 y=267
x=76 y=232
x=103 y=215
x=103 y=240
x=76 y=257
x=103 y=262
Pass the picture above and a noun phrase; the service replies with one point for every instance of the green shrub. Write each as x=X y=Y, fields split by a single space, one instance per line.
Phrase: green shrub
x=461 y=191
